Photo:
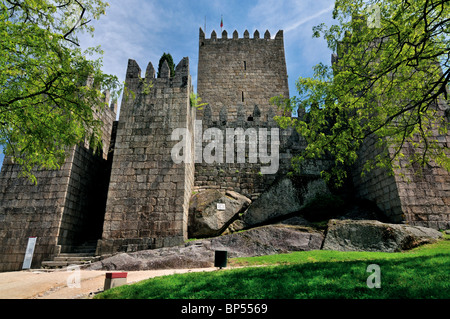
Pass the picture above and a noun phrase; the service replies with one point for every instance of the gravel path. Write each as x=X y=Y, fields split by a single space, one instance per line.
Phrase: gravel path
x=38 y=284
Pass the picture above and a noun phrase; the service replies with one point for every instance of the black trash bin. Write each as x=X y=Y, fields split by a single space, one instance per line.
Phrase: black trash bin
x=220 y=258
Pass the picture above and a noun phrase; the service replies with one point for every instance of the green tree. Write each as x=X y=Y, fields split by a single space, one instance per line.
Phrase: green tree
x=167 y=57
x=392 y=68
x=49 y=89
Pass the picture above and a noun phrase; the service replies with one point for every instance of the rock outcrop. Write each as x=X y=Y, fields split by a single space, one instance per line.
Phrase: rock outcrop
x=267 y=240
x=283 y=198
x=371 y=235
x=210 y=212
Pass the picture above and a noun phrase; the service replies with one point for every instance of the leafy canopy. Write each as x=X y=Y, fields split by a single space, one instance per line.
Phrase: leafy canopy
x=391 y=70
x=50 y=92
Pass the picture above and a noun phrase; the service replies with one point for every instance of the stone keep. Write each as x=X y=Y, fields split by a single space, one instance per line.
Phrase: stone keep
x=237 y=77
x=149 y=194
x=240 y=75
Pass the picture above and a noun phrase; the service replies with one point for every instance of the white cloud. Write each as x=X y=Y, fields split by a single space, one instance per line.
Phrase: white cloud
x=288 y=15
x=304 y=20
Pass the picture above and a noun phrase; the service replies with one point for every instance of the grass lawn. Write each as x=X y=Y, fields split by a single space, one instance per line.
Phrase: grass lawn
x=421 y=273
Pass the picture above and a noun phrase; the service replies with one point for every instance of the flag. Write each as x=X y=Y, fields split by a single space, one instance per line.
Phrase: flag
x=221 y=22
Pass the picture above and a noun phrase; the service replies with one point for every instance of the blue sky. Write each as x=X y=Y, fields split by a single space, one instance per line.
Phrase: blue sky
x=144 y=29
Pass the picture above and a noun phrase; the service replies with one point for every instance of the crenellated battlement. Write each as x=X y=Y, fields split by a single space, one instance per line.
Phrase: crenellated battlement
x=134 y=73
x=139 y=88
x=239 y=117
x=239 y=73
x=235 y=36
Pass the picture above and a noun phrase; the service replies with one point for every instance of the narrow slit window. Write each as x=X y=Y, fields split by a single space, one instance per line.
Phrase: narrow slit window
x=245 y=65
x=243 y=98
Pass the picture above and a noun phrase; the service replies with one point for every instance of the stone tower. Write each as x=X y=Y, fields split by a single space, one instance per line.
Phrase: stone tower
x=149 y=193
x=241 y=74
x=237 y=77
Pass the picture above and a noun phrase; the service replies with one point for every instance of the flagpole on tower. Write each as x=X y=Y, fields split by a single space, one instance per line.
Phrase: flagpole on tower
x=221 y=24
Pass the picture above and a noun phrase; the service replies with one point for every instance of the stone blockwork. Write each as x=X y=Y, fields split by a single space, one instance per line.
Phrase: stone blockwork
x=63 y=209
x=246 y=176
x=419 y=199
x=378 y=185
x=27 y=211
x=149 y=193
x=237 y=77
x=425 y=197
x=236 y=74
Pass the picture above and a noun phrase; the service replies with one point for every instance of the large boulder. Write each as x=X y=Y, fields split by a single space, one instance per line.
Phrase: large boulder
x=207 y=218
x=372 y=235
x=162 y=258
x=283 y=198
x=266 y=240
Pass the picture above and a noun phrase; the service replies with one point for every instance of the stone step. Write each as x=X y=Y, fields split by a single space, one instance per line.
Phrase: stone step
x=76 y=255
x=75 y=258
x=65 y=260
x=84 y=250
x=60 y=264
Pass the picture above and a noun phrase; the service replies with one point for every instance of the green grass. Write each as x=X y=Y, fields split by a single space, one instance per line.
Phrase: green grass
x=420 y=273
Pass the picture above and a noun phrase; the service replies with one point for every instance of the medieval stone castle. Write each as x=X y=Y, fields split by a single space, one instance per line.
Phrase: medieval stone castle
x=133 y=196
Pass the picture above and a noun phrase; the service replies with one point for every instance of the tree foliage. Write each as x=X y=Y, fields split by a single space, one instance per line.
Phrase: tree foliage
x=167 y=57
x=391 y=70
x=49 y=90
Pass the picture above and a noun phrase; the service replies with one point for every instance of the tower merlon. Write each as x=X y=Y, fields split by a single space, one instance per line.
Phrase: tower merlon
x=246 y=35
x=150 y=72
x=133 y=70
x=107 y=97
x=165 y=71
x=279 y=35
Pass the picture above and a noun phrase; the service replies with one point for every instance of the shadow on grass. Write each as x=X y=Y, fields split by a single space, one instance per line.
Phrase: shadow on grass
x=404 y=278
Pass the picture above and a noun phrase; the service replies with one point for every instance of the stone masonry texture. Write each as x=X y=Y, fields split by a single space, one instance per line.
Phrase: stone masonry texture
x=236 y=78
x=148 y=196
x=238 y=74
x=408 y=196
x=64 y=206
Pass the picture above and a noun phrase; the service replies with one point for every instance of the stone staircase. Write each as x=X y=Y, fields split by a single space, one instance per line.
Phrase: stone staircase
x=79 y=255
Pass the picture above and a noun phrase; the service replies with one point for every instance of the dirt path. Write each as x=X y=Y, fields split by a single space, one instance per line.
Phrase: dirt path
x=54 y=285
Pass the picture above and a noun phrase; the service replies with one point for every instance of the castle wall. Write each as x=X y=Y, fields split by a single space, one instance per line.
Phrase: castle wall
x=28 y=210
x=58 y=209
x=377 y=185
x=149 y=193
x=247 y=178
x=421 y=199
x=425 y=197
x=84 y=206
